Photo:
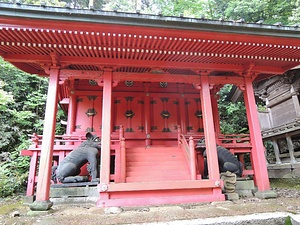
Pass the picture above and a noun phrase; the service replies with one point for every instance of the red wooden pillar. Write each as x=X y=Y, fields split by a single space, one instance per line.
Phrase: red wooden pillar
x=42 y=202
x=182 y=109
x=209 y=131
x=147 y=115
x=72 y=112
x=216 y=116
x=106 y=132
x=258 y=156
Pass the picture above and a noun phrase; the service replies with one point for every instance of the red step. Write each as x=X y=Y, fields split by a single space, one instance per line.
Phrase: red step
x=156 y=164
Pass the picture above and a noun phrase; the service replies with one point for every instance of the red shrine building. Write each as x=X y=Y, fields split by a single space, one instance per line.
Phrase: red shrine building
x=148 y=86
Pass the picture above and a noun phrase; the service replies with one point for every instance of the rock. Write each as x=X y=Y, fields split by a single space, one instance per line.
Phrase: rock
x=14 y=214
x=295 y=219
x=113 y=210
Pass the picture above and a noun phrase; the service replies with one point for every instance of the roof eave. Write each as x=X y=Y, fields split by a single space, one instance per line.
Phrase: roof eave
x=145 y=20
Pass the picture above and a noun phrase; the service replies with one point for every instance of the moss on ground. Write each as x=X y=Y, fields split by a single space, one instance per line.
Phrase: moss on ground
x=292 y=183
x=7 y=208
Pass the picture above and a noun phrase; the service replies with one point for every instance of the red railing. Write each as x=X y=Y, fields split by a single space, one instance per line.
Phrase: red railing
x=63 y=144
x=120 y=160
x=188 y=149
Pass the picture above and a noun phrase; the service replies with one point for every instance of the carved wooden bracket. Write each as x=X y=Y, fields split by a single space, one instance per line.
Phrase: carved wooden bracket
x=241 y=87
x=197 y=86
x=55 y=58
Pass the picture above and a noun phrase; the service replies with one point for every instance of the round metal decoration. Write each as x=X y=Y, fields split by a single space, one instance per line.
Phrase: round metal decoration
x=129 y=83
x=163 y=84
x=93 y=82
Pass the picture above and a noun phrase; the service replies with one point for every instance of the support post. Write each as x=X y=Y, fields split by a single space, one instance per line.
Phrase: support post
x=291 y=148
x=209 y=131
x=216 y=116
x=179 y=135
x=258 y=156
x=182 y=109
x=72 y=113
x=123 y=161
x=42 y=202
x=276 y=150
x=147 y=115
x=192 y=159
x=295 y=101
x=106 y=130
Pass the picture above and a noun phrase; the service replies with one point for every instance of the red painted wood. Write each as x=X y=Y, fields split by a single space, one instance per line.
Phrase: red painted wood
x=123 y=166
x=182 y=114
x=209 y=132
x=161 y=192
x=44 y=174
x=72 y=114
x=156 y=164
x=179 y=185
x=194 y=124
x=106 y=128
x=83 y=122
x=257 y=154
x=214 y=103
x=32 y=174
x=146 y=125
x=192 y=159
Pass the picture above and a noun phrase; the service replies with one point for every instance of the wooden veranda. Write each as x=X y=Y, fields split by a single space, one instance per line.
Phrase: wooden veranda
x=157 y=77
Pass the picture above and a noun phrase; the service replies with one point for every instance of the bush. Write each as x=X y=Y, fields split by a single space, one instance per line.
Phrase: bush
x=13 y=174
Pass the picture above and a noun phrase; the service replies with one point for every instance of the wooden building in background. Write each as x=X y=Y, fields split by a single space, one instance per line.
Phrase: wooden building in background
x=280 y=123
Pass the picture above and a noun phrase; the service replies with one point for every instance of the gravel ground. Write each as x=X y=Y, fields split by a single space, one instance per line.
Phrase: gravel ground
x=14 y=212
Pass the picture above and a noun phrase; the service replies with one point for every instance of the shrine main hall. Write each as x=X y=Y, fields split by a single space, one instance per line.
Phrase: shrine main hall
x=148 y=86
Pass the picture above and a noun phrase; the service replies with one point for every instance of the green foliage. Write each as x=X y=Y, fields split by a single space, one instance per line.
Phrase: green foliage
x=84 y=4
x=232 y=115
x=13 y=174
x=22 y=111
x=295 y=13
x=250 y=11
x=18 y=117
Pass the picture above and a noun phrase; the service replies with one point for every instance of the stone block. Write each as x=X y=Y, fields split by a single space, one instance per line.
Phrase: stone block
x=40 y=205
x=245 y=188
x=266 y=194
x=232 y=196
x=74 y=192
x=113 y=210
x=245 y=185
x=28 y=199
x=295 y=219
x=245 y=193
x=39 y=213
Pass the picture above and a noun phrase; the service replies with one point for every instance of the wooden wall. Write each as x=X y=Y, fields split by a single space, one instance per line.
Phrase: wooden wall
x=169 y=105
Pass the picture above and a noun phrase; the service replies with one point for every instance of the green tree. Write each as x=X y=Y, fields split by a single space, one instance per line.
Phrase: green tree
x=22 y=108
x=250 y=11
x=295 y=14
x=232 y=115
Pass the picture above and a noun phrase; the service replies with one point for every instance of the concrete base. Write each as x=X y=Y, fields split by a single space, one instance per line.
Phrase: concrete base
x=74 y=192
x=77 y=195
x=39 y=213
x=28 y=199
x=40 y=205
x=232 y=196
x=266 y=194
x=75 y=200
x=245 y=188
x=295 y=219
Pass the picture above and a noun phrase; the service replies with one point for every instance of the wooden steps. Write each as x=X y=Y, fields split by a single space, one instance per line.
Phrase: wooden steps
x=156 y=164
